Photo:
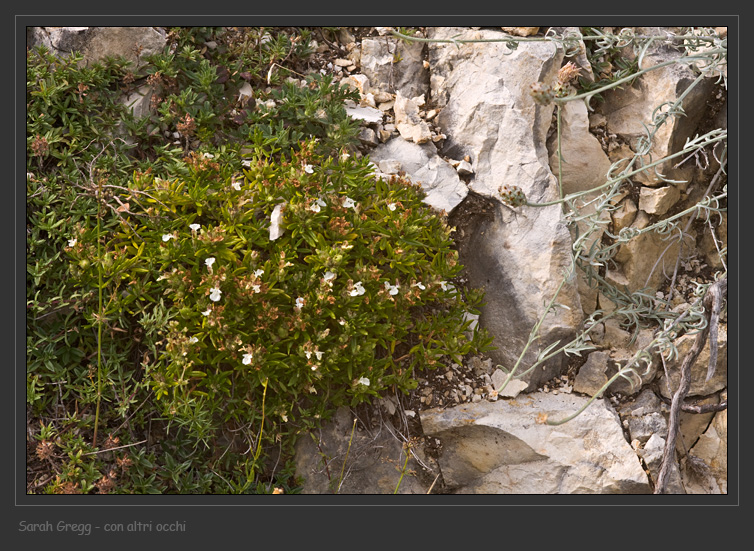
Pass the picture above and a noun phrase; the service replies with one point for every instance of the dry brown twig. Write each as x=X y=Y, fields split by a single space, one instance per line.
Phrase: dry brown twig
x=713 y=301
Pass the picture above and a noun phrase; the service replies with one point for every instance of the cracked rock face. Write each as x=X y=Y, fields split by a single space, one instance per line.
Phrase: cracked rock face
x=517 y=258
x=96 y=43
x=394 y=64
x=482 y=111
x=504 y=447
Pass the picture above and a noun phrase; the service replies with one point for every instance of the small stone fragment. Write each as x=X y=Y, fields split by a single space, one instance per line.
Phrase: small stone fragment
x=659 y=200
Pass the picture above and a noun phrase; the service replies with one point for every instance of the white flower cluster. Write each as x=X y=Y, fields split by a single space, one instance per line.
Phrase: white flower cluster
x=308 y=354
x=358 y=289
x=392 y=289
x=317 y=205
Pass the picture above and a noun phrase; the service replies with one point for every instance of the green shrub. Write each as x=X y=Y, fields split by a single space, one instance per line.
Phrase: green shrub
x=352 y=298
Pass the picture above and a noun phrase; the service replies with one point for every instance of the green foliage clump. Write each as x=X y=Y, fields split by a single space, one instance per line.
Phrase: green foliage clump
x=220 y=96
x=71 y=111
x=352 y=298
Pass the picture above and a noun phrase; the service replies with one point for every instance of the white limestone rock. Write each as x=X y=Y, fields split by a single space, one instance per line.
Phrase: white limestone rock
x=503 y=447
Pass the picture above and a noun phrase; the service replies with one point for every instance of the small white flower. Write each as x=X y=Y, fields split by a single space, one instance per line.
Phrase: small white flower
x=257 y=288
x=346 y=246
x=193 y=340
x=167 y=237
x=209 y=262
x=258 y=273
x=284 y=417
x=447 y=286
x=420 y=285
x=214 y=294
x=308 y=354
x=358 y=289
x=314 y=368
x=364 y=381
x=317 y=205
x=349 y=203
x=344 y=156
x=247 y=164
x=328 y=277
x=194 y=227
x=207 y=312
x=71 y=242
x=247 y=358
x=309 y=169
x=208 y=156
x=236 y=185
x=300 y=303
x=318 y=354
x=391 y=206
x=392 y=289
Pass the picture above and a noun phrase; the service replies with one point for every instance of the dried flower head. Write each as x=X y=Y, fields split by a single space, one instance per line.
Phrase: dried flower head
x=82 y=89
x=40 y=147
x=187 y=126
x=123 y=462
x=106 y=483
x=111 y=442
x=45 y=449
x=67 y=487
x=568 y=72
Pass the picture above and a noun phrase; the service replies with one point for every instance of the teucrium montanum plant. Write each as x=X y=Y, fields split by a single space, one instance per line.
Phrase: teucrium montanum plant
x=349 y=296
